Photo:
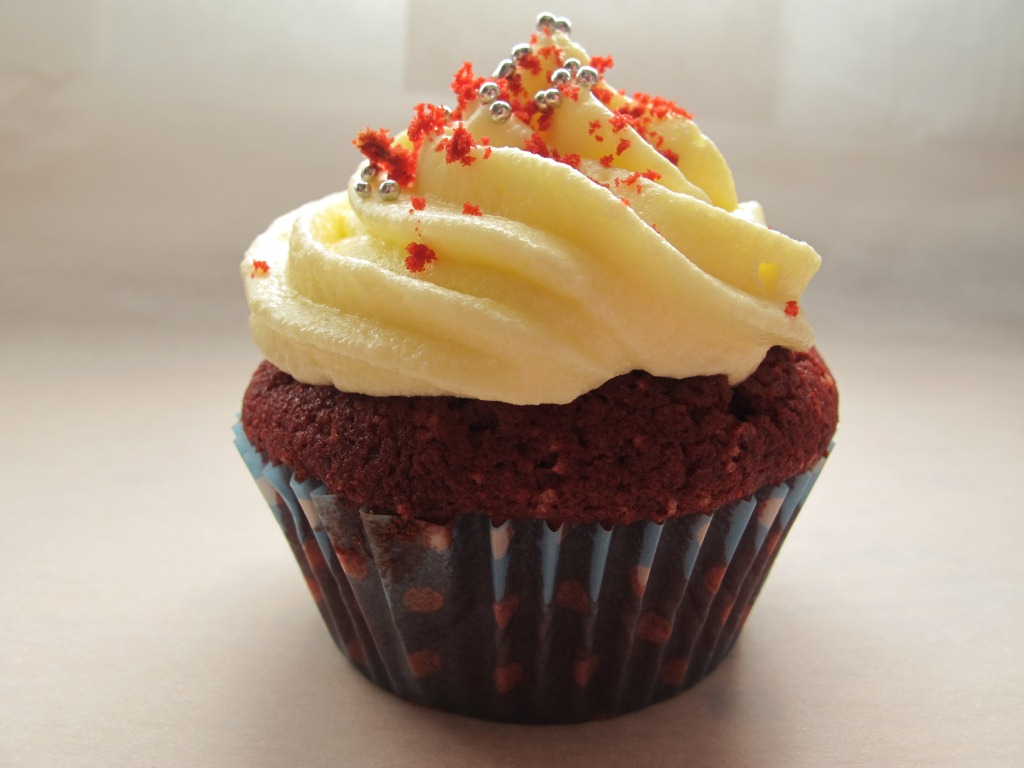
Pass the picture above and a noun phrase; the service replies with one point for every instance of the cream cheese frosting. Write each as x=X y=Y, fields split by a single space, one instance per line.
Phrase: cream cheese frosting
x=530 y=251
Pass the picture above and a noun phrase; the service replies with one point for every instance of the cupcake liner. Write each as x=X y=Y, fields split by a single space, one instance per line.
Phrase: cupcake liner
x=521 y=622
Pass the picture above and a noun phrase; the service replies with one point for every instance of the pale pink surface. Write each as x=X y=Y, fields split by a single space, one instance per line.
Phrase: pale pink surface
x=151 y=613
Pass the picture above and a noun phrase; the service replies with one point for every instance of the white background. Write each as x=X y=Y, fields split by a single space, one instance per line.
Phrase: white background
x=149 y=610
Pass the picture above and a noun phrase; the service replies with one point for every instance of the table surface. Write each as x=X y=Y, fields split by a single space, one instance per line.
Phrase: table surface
x=152 y=613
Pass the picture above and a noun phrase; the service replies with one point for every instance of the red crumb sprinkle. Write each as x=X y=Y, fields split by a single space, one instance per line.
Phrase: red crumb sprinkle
x=658 y=107
x=572 y=160
x=419 y=256
x=607 y=161
x=551 y=50
x=531 y=63
x=623 y=146
x=620 y=121
x=464 y=85
x=651 y=175
x=633 y=178
x=602 y=63
x=593 y=126
x=536 y=145
x=379 y=148
x=471 y=210
x=626 y=202
x=458 y=146
x=792 y=308
x=545 y=120
x=260 y=268
x=672 y=157
x=487 y=153
x=418 y=204
x=603 y=94
x=428 y=120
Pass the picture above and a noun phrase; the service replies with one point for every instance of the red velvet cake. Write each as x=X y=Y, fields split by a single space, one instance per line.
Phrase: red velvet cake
x=638 y=447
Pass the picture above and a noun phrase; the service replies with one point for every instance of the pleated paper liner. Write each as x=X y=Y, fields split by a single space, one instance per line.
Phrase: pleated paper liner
x=522 y=623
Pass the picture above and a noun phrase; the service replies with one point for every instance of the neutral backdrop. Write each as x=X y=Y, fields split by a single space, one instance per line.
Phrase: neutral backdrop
x=150 y=613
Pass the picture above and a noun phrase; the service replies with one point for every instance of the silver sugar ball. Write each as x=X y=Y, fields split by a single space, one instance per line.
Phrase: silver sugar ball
x=553 y=97
x=588 y=77
x=520 y=52
x=545 y=22
x=488 y=92
x=561 y=76
x=573 y=65
x=363 y=188
x=501 y=111
x=368 y=172
x=541 y=101
x=389 y=189
x=505 y=69
x=563 y=25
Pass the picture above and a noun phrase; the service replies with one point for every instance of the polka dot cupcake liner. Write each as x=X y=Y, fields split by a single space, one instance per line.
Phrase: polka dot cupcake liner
x=518 y=622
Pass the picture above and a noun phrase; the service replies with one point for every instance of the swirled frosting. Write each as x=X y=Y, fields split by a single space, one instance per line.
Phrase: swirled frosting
x=529 y=260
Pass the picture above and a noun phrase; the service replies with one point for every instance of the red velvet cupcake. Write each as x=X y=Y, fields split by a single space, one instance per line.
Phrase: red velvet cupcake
x=540 y=403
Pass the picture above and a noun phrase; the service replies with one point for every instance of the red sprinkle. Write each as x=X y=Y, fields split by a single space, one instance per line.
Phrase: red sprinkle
x=658 y=107
x=418 y=204
x=419 y=256
x=623 y=146
x=379 y=148
x=429 y=120
x=672 y=157
x=603 y=94
x=551 y=50
x=602 y=63
x=620 y=121
x=471 y=210
x=260 y=268
x=572 y=160
x=531 y=63
x=537 y=145
x=593 y=126
x=458 y=146
x=607 y=161
x=651 y=175
x=464 y=85
x=792 y=308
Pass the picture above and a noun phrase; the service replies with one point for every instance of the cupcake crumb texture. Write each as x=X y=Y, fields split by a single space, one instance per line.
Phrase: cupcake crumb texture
x=639 y=447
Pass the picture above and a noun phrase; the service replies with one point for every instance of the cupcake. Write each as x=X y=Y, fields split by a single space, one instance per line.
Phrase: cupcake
x=539 y=403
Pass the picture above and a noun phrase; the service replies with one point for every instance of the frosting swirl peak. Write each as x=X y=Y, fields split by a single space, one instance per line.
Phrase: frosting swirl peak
x=530 y=251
